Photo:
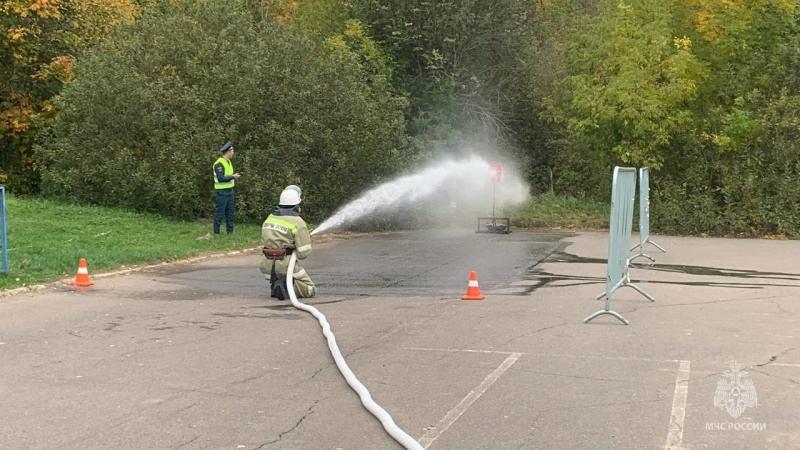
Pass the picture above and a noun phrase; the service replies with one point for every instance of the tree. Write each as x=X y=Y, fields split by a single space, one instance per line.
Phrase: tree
x=631 y=92
x=320 y=18
x=697 y=90
x=551 y=163
x=39 y=40
x=457 y=60
x=157 y=100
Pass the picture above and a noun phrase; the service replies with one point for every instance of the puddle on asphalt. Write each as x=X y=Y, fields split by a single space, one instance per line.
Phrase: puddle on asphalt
x=545 y=278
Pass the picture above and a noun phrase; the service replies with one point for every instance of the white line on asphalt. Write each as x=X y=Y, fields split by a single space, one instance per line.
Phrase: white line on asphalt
x=783 y=365
x=454 y=350
x=433 y=433
x=675 y=436
x=547 y=355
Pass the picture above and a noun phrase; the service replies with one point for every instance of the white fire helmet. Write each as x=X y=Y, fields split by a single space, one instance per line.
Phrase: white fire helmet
x=294 y=187
x=289 y=197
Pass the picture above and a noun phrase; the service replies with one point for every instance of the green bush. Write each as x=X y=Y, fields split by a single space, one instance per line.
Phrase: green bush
x=141 y=125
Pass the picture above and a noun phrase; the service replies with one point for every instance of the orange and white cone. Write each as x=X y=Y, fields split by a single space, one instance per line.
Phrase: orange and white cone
x=473 y=290
x=82 y=278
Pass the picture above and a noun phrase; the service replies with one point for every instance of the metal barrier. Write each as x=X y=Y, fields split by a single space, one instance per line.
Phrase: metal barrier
x=3 y=235
x=494 y=225
x=644 y=215
x=622 y=204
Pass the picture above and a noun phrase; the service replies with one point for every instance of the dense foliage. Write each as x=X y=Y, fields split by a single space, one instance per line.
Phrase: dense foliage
x=142 y=123
x=39 y=40
x=704 y=93
x=337 y=95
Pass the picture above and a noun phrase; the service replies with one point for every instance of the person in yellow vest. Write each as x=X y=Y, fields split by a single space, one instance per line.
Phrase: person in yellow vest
x=224 y=179
x=283 y=233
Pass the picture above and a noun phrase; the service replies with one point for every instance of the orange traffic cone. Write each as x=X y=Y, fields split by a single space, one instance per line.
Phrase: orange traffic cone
x=82 y=279
x=473 y=290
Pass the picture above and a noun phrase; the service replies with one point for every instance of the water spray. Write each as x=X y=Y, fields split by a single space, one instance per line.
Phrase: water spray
x=461 y=178
x=366 y=399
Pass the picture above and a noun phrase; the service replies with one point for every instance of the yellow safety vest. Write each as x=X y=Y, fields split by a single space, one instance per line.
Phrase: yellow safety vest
x=228 y=173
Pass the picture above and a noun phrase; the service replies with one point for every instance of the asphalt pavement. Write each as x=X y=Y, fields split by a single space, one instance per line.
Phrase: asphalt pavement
x=196 y=355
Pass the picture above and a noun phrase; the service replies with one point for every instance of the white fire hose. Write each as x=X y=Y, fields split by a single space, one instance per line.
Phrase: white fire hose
x=366 y=399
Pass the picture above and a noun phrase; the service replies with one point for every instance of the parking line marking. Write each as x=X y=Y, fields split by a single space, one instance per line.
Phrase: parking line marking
x=676 y=419
x=456 y=350
x=450 y=418
x=546 y=355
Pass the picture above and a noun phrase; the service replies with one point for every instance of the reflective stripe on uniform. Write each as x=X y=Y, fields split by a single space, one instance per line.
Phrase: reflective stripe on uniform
x=283 y=226
x=300 y=273
x=303 y=248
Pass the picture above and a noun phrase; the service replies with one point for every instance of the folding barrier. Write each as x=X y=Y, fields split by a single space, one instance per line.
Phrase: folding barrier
x=644 y=215
x=623 y=191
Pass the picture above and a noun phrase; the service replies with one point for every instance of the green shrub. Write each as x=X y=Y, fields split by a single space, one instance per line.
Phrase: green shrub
x=141 y=125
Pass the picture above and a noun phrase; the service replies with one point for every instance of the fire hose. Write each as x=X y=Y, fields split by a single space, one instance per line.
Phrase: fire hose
x=366 y=399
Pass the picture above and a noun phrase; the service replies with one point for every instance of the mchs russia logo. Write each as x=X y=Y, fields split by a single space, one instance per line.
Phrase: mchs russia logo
x=735 y=392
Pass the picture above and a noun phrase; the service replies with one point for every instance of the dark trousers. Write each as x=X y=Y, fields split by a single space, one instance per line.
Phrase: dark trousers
x=225 y=207
x=277 y=285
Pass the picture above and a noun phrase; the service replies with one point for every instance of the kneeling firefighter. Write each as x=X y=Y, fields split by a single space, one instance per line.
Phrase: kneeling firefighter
x=283 y=233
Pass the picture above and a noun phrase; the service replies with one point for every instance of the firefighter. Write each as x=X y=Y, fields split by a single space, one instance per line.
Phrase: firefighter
x=283 y=233
x=224 y=180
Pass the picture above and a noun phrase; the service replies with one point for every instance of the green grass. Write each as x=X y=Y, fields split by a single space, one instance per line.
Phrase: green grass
x=46 y=240
x=556 y=212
